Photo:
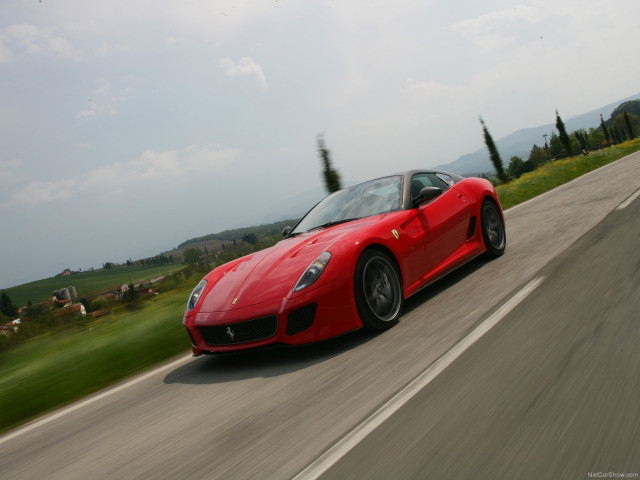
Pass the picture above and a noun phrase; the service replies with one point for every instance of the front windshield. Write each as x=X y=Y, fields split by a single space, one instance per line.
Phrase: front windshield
x=363 y=200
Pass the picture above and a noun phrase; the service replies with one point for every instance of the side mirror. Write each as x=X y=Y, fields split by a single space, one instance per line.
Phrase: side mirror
x=286 y=231
x=426 y=194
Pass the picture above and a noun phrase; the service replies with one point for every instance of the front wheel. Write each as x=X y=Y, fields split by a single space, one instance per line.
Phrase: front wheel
x=493 y=231
x=378 y=291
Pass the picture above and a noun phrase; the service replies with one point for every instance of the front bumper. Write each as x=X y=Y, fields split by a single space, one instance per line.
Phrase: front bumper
x=323 y=312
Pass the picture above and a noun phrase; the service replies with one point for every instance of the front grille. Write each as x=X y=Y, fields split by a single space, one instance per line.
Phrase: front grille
x=241 y=332
x=301 y=319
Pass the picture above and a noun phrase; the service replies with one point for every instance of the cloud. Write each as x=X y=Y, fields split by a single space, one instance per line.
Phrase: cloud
x=104 y=100
x=493 y=30
x=246 y=66
x=24 y=38
x=107 y=48
x=150 y=166
x=173 y=40
x=433 y=88
x=8 y=170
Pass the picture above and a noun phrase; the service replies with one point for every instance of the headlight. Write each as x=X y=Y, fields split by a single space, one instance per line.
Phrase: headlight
x=195 y=295
x=313 y=271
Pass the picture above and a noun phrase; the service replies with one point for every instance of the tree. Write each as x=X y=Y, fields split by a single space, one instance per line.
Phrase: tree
x=331 y=176
x=564 y=138
x=517 y=166
x=537 y=157
x=192 y=255
x=493 y=154
x=556 y=150
x=632 y=106
x=596 y=137
x=616 y=135
x=604 y=130
x=627 y=120
x=581 y=140
x=7 y=307
x=130 y=295
x=250 y=238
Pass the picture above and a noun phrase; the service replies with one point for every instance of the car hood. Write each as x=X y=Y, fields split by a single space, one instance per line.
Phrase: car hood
x=271 y=274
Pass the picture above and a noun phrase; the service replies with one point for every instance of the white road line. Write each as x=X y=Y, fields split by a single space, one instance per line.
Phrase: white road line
x=628 y=201
x=355 y=436
x=90 y=400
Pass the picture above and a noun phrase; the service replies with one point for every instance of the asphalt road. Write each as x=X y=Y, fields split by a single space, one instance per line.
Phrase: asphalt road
x=550 y=392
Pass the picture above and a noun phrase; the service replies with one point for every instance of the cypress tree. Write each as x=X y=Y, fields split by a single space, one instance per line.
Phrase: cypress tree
x=614 y=134
x=331 y=176
x=581 y=140
x=564 y=138
x=7 y=307
x=604 y=129
x=493 y=154
x=628 y=122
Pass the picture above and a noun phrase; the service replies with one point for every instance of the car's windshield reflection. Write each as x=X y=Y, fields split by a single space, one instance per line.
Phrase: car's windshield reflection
x=378 y=196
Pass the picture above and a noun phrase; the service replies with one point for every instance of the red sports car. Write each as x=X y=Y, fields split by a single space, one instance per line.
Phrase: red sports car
x=349 y=263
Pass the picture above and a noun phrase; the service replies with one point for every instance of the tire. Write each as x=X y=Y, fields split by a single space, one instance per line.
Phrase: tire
x=378 y=291
x=493 y=231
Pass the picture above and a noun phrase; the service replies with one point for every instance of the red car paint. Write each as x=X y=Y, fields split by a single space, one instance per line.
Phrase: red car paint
x=425 y=242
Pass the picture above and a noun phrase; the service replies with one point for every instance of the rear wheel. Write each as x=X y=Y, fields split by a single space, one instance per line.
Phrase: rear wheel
x=378 y=290
x=493 y=231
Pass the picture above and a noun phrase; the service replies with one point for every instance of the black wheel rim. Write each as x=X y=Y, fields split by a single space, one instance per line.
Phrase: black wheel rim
x=494 y=227
x=382 y=288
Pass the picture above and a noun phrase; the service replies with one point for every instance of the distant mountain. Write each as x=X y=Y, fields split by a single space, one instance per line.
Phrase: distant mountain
x=520 y=142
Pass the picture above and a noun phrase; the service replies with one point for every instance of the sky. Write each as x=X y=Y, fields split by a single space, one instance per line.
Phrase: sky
x=128 y=127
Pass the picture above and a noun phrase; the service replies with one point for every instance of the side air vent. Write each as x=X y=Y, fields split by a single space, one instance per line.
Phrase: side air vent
x=472 y=228
x=301 y=319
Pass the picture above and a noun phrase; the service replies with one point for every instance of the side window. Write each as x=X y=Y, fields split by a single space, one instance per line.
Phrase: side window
x=421 y=180
x=448 y=179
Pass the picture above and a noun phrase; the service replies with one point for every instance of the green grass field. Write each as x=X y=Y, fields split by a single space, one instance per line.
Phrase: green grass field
x=53 y=370
x=553 y=174
x=86 y=282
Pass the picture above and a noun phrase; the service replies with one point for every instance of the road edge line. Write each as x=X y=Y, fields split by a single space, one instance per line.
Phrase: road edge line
x=331 y=456
x=629 y=200
x=83 y=403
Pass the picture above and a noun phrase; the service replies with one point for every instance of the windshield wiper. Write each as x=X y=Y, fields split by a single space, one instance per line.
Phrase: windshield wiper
x=331 y=224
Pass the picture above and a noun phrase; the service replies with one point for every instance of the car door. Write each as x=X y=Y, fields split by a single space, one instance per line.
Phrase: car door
x=446 y=220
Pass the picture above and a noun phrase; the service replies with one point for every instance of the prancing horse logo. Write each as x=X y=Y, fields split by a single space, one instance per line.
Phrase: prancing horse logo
x=230 y=333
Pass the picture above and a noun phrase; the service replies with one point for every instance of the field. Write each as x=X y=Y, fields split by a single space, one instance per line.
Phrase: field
x=53 y=370
x=86 y=282
x=553 y=174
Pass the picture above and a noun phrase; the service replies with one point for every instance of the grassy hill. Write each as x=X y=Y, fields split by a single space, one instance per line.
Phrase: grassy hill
x=86 y=282
x=237 y=234
x=89 y=282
